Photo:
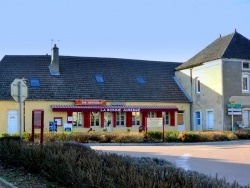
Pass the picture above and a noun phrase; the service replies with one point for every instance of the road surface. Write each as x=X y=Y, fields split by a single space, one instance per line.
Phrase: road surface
x=230 y=159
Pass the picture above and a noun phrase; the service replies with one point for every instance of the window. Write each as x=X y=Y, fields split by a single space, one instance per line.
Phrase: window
x=58 y=120
x=245 y=83
x=99 y=78
x=140 y=80
x=246 y=65
x=166 y=118
x=77 y=119
x=180 y=118
x=120 y=118
x=34 y=83
x=95 y=118
x=151 y=115
x=198 y=118
x=136 y=118
x=197 y=85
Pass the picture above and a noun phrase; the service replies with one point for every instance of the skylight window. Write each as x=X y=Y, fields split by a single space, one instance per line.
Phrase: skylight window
x=34 y=83
x=99 y=78
x=140 y=80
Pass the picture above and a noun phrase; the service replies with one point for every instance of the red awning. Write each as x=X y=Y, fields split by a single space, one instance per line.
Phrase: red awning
x=141 y=108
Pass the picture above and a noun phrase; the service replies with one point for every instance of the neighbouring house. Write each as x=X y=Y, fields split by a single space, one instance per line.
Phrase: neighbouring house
x=89 y=93
x=217 y=79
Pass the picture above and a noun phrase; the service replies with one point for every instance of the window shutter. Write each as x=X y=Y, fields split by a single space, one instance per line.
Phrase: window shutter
x=129 y=119
x=86 y=120
x=172 y=118
x=159 y=114
x=114 y=119
x=102 y=119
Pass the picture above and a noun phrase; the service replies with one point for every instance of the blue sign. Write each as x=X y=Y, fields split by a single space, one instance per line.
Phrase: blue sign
x=53 y=126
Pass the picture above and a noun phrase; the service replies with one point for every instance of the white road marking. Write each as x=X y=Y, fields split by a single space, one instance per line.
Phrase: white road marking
x=182 y=161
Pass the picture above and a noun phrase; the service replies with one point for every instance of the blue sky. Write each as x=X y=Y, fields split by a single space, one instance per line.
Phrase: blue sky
x=136 y=29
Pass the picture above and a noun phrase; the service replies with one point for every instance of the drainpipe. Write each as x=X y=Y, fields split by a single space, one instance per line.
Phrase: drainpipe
x=24 y=130
x=191 y=95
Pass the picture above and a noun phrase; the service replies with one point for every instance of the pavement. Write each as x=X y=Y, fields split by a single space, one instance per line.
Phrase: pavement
x=226 y=159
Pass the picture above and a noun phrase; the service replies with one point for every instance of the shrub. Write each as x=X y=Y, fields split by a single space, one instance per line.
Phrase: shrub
x=74 y=165
x=128 y=137
x=231 y=135
x=154 y=135
x=64 y=136
x=171 y=136
x=189 y=136
x=242 y=134
x=81 y=137
x=10 y=149
x=5 y=134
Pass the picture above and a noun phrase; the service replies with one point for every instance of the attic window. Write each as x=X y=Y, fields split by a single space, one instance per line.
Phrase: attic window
x=246 y=65
x=99 y=78
x=34 y=83
x=140 y=80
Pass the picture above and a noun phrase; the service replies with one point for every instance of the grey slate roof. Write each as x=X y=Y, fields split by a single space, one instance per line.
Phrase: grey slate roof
x=77 y=79
x=231 y=46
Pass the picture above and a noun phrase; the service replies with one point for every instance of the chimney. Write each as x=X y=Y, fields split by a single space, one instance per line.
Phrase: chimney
x=54 y=65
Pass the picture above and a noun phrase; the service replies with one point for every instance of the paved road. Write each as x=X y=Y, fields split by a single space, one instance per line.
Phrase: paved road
x=226 y=159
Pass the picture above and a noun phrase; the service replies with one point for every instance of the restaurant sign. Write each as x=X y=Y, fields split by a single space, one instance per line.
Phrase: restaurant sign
x=120 y=110
x=90 y=102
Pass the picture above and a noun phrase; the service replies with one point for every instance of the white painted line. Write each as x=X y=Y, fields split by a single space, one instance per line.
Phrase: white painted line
x=182 y=161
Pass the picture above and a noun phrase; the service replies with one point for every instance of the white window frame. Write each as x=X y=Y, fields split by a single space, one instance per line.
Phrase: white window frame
x=95 y=116
x=197 y=85
x=78 y=118
x=136 y=118
x=247 y=77
x=151 y=114
x=166 y=118
x=243 y=62
x=120 y=119
x=196 y=125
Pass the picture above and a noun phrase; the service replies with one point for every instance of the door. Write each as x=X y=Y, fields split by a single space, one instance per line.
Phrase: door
x=197 y=121
x=180 y=121
x=210 y=119
x=95 y=118
x=246 y=118
x=108 y=119
x=12 y=121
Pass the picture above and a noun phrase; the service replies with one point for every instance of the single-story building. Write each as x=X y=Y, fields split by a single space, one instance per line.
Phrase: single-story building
x=81 y=93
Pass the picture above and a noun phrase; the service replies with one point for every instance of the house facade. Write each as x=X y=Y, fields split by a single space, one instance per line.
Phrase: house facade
x=88 y=93
x=211 y=91
x=217 y=82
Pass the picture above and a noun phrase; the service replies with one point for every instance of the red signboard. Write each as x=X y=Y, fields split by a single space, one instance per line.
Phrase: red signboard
x=37 y=122
x=90 y=102
x=37 y=119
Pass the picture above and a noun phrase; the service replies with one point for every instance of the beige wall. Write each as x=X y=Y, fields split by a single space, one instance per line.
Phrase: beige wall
x=5 y=106
x=210 y=98
x=49 y=114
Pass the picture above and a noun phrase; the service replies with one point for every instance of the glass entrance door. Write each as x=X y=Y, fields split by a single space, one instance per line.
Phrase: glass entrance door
x=95 y=118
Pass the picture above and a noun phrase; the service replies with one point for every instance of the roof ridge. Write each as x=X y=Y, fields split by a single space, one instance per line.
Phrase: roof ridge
x=233 y=34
